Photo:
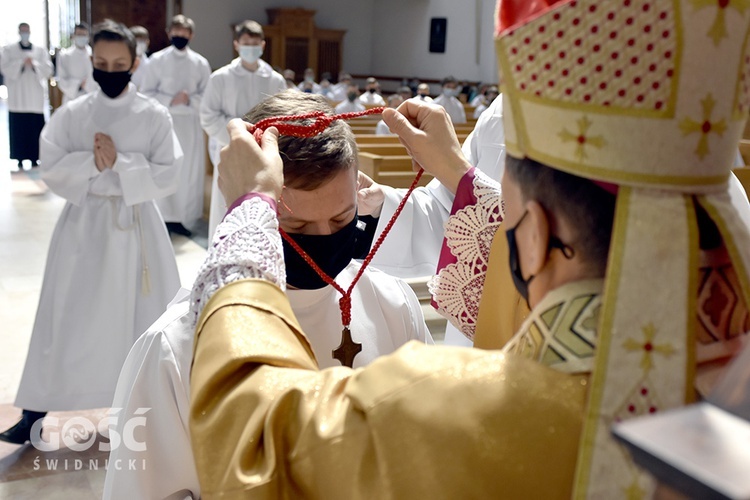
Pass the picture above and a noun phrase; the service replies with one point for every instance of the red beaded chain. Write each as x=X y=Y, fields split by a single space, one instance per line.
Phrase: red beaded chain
x=345 y=303
x=322 y=121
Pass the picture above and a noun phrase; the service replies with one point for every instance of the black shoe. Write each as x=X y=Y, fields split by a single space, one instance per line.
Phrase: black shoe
x=21 y=432
x=178 y=228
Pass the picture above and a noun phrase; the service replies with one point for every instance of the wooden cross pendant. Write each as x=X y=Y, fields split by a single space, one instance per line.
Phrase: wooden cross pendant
x=347 y=350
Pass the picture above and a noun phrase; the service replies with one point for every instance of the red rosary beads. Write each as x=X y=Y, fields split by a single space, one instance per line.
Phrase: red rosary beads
x=348 y=348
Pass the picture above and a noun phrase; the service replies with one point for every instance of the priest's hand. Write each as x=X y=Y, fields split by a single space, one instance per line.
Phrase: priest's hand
x=105 y=153
x=370 y=196
x=429 y=137
x=247 y=167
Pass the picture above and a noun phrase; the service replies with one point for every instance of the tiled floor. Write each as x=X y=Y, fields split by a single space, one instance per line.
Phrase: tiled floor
x=28 y=213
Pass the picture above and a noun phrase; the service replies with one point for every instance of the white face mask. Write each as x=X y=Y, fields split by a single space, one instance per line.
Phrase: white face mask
x=450 y=92
x=25 y=37
x=81 y=41
x=250 y=53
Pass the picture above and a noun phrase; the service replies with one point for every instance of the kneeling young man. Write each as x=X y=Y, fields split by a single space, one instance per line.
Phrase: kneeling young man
x=319 y=211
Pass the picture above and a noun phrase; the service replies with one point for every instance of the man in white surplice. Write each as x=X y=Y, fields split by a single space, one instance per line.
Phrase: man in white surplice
x=26 y=68
x=449 y=100
x=111 y=269
x=231 y=92
x=74 y=66
x=385 y=311
x=142 y=41
x=177 y=77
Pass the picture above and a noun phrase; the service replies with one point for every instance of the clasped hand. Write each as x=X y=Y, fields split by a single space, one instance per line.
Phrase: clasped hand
x=105 y=154
x=181 y=97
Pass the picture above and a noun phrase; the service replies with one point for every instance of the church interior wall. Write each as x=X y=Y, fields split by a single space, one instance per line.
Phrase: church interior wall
x=384 y=37
x=213 y=38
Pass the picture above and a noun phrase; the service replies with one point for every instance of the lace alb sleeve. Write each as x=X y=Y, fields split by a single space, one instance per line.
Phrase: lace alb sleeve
x=457 y=288
x=247 y=244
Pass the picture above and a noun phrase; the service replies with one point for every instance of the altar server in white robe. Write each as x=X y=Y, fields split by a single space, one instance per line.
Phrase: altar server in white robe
x=385 y=311
x=351 y=104
x=340 y=90
x=111 y=269
x=74 y=70
x=26 y=69
x=232 y=91
x=142 y=41
x=371 y=96
x=449 y=100
x=177 y=78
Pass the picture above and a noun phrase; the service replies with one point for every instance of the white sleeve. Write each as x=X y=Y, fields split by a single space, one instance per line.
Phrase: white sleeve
x=155 y=177
x=67 y=173
x=246 y=244
x=412 y=248
x=10 y=66
x=203 y=71
x=151 y=87
x=417 y=328
x=152 y=391
x=42 y=63
x=67 y=83
x=213 y=119
x=485 y=145
x=280 y=84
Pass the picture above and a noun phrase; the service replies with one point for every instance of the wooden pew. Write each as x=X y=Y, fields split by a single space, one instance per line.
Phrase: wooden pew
x=394 y=171
x=383 y=149
x=393 y=139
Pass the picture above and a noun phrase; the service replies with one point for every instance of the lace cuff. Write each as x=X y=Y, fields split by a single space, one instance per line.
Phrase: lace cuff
x=457 y=288
x=247 y=244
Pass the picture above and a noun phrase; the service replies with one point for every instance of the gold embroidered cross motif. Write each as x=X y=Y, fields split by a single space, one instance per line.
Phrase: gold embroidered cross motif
x=582 y=139
x=705 y=127
x=648 y=347
x=718 y=29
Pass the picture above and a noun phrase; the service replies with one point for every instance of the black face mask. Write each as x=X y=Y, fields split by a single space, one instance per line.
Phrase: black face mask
x=331 y=252
x=112 y=83
x=351 y=96
x=372 y=91
x=521 y=284
x=180 y=42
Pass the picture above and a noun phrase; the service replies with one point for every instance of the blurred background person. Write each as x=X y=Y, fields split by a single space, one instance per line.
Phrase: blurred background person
x=352 y=103
x=74 y=69
x=449 y=100
x=26 y=69
x=142 y=41
x=371 y=96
